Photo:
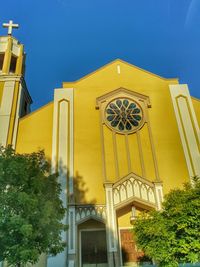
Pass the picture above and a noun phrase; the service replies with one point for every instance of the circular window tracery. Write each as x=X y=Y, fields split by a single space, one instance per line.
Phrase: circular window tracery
x=124 y=115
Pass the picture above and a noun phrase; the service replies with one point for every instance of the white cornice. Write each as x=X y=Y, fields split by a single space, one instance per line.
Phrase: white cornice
x=9 y=77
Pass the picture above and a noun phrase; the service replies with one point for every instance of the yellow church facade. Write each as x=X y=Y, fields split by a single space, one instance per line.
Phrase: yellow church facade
x=120 y=137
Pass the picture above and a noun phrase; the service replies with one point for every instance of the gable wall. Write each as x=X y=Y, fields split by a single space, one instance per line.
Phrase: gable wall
x=87 y=139
x=35 y=132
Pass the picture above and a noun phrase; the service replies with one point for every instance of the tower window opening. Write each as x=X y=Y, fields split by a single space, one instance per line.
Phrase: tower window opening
x=13 y=64
x=1 y=60
x=25 y=109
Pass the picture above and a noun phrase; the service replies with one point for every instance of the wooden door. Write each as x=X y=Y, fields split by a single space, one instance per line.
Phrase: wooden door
x=93 y=248
x=129 y=249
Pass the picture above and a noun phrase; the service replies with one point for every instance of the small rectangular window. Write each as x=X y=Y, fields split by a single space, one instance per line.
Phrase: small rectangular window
x=13 y=64
x=1 y=60
x=24 y=109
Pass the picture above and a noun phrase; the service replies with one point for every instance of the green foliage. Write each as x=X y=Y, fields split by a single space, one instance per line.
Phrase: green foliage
x=172 y=235
x=30 y=208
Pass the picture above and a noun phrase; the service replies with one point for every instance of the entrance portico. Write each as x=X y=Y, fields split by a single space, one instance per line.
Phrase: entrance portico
x=124 y=197
x=100 y=238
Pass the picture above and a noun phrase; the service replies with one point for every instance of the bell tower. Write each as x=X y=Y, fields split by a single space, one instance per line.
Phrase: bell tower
x=14 y=97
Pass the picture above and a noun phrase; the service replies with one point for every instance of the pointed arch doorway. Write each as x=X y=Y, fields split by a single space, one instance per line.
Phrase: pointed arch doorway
x=92 y=244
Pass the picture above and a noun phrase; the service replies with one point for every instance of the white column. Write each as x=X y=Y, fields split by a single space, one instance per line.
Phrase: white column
x=71 y=236
x=188 y=126
x=5 y=110
x=19 y=103
x=62 y=157
x=159 y=194
x=111 y=228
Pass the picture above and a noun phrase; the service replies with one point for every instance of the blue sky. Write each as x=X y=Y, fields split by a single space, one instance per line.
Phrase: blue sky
x=67 y=39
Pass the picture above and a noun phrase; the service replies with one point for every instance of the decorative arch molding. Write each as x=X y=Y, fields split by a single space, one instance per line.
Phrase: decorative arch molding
x=134 y=188
x=125 y=92
x=86 y=212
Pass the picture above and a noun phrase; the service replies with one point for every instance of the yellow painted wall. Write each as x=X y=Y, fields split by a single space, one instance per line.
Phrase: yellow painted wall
x=109 y=154
x=134 y=154
x=122 y=156
x=170 y=155
x=147 y=154
x=87 y=144
x=124 y=215
x=35 y=131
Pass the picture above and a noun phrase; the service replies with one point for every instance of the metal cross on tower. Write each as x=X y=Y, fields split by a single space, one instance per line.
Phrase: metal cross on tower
x=10 y=26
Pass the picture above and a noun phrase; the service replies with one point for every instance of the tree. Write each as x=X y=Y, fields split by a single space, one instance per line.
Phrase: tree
x=30 y=208
x=172 y=236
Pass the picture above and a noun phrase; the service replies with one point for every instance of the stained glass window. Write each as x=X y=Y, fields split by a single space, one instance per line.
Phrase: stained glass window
x=124 y=115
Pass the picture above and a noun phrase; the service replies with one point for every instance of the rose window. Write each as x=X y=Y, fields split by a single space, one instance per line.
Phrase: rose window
x=123 y=115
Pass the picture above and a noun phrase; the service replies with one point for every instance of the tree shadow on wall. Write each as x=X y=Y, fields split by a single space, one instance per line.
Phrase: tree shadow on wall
x=81 y=190
x=75 y=187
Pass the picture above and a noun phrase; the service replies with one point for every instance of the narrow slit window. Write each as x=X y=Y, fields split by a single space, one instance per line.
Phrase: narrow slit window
x=25 y=109
x=13 y=64
x=1 y=60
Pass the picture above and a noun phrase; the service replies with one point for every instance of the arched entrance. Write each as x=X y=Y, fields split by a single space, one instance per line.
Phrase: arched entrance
x=92 y=244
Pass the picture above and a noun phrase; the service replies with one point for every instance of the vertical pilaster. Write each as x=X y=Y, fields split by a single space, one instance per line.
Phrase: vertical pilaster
x=19 y=61
x=1 y=90
x=17 y=115
x=5 y=109
x=13 y=113
x=188 y=126
x=72 y=237
x=10 y=109
x=152 y=147
x=111 y=228
x=159 y=194
x=7 y=57
x=62 y=161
